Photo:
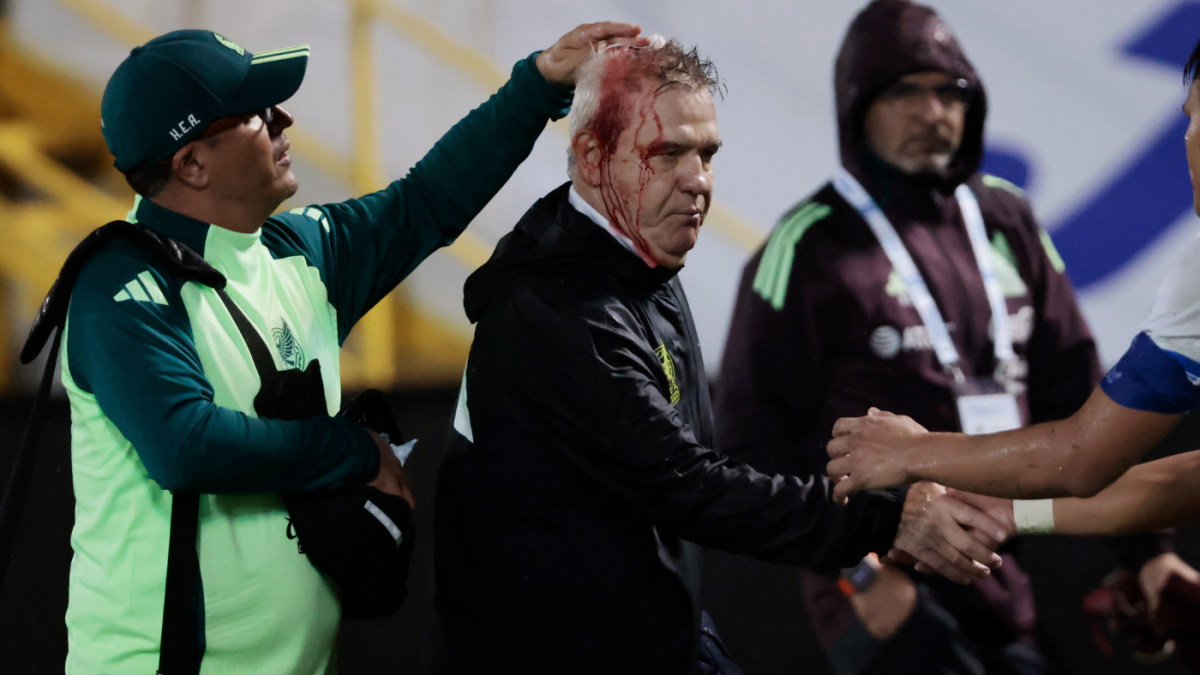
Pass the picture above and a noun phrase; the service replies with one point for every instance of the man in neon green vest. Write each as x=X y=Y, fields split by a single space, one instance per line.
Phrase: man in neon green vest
x=161 y=383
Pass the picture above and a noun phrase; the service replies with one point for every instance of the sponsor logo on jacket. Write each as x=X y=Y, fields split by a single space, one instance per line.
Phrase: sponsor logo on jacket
x=668 y=366
x=886 y=342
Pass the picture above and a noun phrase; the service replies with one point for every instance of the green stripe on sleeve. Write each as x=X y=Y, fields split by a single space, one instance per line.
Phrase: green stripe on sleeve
x=1052 y=252
x=772 y=284
x=998 y=182
x=152 y=287
x=768 y=267
x=135 y=290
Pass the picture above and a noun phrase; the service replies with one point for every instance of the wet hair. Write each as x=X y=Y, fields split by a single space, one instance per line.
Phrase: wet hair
x=1191 y=68
x=664 y=60
x=151 y=179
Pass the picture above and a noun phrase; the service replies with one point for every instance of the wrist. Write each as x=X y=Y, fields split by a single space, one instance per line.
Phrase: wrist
x=539 y=65
x=886 y=606
x=906 y=457
x=887 y=509
x=552 y=98
x=1033 y=516
x=859 y=578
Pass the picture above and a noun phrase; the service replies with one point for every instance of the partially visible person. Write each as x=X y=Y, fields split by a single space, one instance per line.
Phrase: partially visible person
x=162 y=386
x=1085 y=459
x=1146 y=498
x=582 y=480
x=1139 y=401
x=912 y=282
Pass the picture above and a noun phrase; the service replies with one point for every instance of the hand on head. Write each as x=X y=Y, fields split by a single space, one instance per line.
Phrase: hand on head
x=945 y=535
x=559 y=63
x=867 y=453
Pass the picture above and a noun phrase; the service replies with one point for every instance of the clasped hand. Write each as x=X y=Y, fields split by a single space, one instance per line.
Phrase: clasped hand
x=938 y=530
x=945 y=535
x=870 y=453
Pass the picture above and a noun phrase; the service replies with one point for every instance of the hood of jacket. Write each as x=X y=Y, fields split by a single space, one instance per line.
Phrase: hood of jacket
x=886 y=41
x=553 y=233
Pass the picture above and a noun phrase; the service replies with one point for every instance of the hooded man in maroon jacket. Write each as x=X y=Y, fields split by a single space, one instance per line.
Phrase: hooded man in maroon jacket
x=842 y=310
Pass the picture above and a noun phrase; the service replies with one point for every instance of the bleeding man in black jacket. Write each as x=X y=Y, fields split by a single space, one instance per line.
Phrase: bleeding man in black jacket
x=827 y=324
x=572 y=512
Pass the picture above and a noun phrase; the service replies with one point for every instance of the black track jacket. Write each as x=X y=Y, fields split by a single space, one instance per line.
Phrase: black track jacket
x=569 y=532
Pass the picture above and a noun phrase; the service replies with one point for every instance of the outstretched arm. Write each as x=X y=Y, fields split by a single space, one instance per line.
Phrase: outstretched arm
x=1077 y=456
x=1138 y=403
x=1149 y=497
x=592 y=388
x=364 y=247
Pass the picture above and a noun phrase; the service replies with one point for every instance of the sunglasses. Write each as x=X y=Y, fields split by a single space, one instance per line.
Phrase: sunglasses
x=226 y=123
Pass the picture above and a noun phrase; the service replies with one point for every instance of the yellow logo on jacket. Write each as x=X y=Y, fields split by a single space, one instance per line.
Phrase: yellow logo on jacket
x=668 y=366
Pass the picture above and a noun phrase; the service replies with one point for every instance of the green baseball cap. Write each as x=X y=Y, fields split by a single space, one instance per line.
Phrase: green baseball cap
x=167 y=91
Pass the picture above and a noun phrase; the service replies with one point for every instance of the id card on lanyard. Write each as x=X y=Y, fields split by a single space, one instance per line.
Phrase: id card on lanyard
x=985 y=405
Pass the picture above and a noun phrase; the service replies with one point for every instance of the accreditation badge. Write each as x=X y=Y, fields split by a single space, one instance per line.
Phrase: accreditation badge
x=986 y=407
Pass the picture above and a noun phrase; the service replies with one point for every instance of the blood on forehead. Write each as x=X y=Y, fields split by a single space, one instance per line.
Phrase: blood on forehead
x=625 y=76
x=623 y=98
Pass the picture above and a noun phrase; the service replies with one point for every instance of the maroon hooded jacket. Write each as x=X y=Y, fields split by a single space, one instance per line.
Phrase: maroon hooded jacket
x=823 y=329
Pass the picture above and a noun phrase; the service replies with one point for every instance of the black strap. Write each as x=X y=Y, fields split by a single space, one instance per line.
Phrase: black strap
x=259 y=351
x=182 y=646
x=18 y=484
x=182 y=635
x=179 y=261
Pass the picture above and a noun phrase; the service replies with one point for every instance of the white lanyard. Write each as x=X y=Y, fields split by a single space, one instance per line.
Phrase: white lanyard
x=902 y=262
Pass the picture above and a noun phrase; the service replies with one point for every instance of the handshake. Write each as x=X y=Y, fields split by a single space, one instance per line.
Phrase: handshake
x=945 y=531
x=940 y=532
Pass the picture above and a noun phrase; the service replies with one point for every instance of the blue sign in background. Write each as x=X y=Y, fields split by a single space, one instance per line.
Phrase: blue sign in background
x=1149 y=192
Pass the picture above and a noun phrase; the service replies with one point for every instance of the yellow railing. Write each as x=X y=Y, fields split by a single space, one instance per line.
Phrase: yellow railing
x=363 y=171
x=476 y=66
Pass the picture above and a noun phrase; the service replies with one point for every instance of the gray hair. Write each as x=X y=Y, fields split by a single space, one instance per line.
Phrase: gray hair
x=664 y=60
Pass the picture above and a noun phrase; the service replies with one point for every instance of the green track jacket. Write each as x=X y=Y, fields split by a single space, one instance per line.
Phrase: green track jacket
x=161 y=387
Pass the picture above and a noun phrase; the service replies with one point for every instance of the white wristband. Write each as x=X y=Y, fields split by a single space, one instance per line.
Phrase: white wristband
x=1033 y=516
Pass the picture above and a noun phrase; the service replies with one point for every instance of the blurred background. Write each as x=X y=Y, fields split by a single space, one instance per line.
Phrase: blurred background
x=1084 y=115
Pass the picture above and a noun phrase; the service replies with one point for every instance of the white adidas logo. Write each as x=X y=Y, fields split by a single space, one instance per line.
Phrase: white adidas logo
x=142 y=288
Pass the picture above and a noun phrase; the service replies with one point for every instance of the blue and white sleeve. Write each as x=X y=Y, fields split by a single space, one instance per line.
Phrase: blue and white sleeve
x=1161 y=370
x=1153 y=379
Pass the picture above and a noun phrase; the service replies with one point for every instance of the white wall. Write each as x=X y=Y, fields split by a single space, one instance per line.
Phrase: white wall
x=1063 y=96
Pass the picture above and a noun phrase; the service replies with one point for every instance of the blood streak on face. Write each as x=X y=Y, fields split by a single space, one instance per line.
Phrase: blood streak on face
x=621 y=91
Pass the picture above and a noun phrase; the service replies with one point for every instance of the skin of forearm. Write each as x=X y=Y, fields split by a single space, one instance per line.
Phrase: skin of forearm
x=1020 y=464
x=1149 y=497
x=1075 y=457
